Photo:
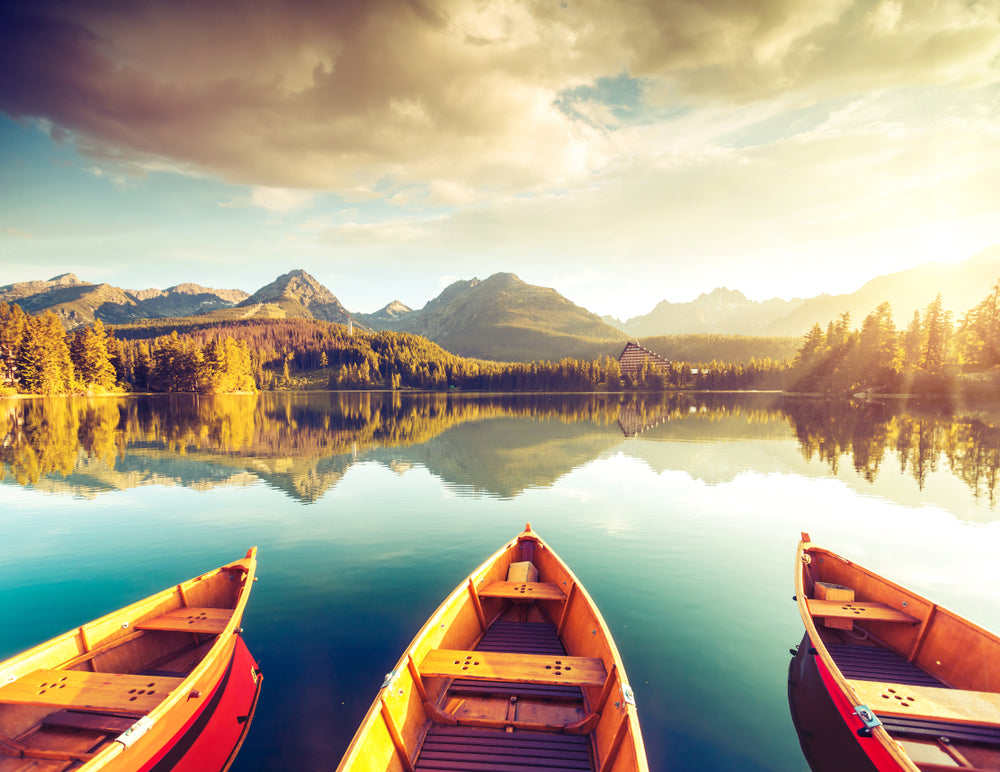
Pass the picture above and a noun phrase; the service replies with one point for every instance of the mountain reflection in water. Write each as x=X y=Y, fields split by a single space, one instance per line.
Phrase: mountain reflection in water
x=495 y=445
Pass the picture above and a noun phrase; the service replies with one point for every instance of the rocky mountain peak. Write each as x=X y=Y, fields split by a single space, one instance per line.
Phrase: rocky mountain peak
x=726 y=295
x=295 y=285
x=65 y=280
x=301 y=295
x=396 y=308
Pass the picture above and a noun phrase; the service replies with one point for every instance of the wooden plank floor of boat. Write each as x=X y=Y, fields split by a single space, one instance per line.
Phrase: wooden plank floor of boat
x=469 y=749
x=450 y=748
x=877 y=663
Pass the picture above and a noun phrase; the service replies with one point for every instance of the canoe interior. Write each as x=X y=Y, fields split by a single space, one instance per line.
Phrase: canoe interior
x=65 y=701
x=507 y=674
x=931 y=676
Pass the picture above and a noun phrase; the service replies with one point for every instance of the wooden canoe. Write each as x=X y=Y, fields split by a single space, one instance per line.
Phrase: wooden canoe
x=163 y=684
x=918 y=685
x=515 y=670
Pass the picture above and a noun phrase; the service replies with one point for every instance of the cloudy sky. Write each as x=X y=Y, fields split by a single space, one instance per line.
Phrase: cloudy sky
x=621 y=152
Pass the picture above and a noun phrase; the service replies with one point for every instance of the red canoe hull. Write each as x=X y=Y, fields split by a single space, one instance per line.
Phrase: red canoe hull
x=212 y=737
x=870 y=746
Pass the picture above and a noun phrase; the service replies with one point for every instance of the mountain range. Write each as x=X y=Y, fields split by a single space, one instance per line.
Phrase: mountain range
x=79 y=303
x=729 y=312
x=501 y=318
x=504 y=318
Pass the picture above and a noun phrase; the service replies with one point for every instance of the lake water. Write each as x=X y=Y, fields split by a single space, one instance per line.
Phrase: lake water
x=680 y=514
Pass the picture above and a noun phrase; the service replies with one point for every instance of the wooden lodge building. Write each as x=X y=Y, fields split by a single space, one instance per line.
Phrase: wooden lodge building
x=633 y=357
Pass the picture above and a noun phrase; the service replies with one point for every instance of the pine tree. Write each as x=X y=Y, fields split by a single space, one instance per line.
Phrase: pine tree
x=89 y=352
x=913 y=343
x=877 y=363
x=29 y=358
x=937 y=331
x=980 y=331
x=43 y=360
x=13 y=322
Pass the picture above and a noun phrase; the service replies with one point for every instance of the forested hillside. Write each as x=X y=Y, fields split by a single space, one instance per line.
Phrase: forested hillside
x=722 y=348
x=37 y=358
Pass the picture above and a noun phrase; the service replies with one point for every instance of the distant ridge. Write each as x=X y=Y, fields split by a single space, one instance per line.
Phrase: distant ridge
x=961 y=285
x=722 y=310
x=728 y=312
x=79 y=303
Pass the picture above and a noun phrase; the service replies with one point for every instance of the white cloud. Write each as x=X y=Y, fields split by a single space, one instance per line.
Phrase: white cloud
x=281 y=200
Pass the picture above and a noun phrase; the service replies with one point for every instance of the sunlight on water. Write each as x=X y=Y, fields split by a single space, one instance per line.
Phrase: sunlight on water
x=680 y=517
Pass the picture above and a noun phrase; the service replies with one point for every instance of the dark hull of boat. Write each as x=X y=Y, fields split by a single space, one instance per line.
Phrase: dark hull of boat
x=827 y=743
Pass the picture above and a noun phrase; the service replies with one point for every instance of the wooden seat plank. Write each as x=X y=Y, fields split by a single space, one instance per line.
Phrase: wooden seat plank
x=94 y=722
x=944 y=704
x=859 y=610
x=522 y=590
x=518 y=668
x=210 y=621
x=131 y=694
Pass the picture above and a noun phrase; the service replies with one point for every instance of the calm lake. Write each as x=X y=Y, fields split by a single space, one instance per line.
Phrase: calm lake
x=680 y=514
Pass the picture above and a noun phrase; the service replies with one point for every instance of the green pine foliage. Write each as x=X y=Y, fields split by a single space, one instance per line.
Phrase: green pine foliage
x=724 y=348
x=91 y=356
x=282 y=353
x=42 y=363
x=38 y=357
x=245 y=355
x=929 y=356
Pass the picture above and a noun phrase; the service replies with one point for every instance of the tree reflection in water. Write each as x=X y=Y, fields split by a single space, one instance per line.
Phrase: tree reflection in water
x=920 y=439
x=317 y=435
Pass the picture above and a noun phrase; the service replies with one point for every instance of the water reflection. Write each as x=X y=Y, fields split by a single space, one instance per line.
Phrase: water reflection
x=920 y=440
x=498 y=445
x=826 y=740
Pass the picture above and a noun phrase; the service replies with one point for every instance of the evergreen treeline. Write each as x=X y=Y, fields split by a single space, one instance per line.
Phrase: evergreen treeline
x=705 y=347
x=925 y=357
x=37 y=357
x=282 y=350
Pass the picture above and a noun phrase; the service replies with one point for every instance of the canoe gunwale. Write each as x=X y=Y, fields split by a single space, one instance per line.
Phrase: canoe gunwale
x=437 y=627
x=185 y=701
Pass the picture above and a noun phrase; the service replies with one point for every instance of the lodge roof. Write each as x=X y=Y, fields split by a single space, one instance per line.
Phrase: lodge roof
x=633 y=355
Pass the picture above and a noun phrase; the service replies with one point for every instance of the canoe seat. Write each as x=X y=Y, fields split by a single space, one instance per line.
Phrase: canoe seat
x=857 y=610
x=524 y=638
x=118 y=692
x=519 y=668
x=522 y=591
x=209 y=621
x=957 y=705
x=94 y=722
